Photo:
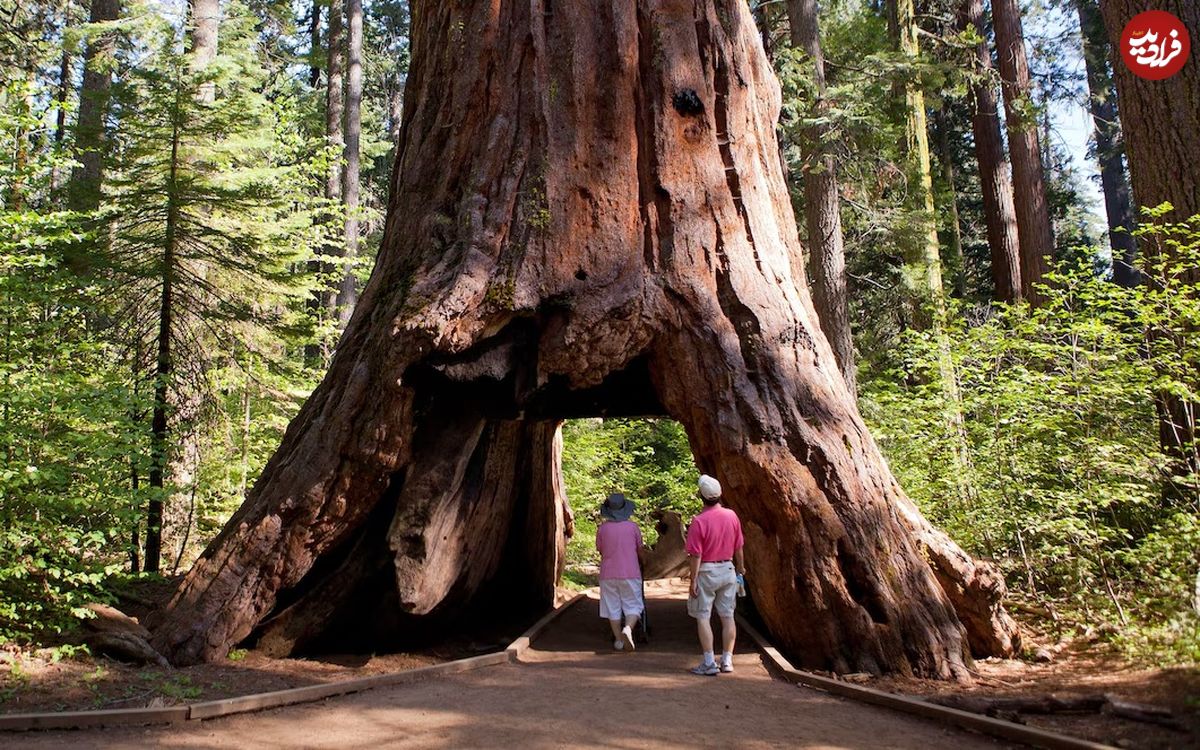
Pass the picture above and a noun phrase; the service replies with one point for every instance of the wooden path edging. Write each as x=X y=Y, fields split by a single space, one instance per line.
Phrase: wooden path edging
x=1007 y=730
x=260 y=701
x=518 y=647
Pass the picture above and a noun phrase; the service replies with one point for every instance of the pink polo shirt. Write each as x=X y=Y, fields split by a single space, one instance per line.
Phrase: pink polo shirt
x=715 y=534
x=618 y=543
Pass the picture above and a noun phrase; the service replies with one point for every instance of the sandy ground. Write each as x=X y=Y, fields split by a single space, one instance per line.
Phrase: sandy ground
x=571 y=691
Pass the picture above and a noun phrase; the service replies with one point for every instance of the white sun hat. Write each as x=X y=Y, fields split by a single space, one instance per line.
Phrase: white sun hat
x=709 y=487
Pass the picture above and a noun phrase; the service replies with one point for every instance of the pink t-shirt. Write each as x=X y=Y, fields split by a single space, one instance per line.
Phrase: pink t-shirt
x=715 y=534
x=619 y=542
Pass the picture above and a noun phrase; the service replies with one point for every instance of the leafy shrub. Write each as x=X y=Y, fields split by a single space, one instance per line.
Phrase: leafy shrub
x=1050 y=463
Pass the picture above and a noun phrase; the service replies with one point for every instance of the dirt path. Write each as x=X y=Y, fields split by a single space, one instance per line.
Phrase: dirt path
x=573 y=691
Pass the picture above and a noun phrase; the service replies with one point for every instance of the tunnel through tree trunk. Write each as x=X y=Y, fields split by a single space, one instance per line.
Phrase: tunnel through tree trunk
x=587 y=215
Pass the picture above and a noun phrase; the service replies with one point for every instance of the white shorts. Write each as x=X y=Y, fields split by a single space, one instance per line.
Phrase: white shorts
x=718 y=588
x=620 y=595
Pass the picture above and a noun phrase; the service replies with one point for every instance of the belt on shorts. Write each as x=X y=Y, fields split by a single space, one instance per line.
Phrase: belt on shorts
x=715 y=562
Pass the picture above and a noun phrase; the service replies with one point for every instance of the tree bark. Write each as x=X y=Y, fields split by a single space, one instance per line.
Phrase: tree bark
x=1102 y=98
x=205 y=22
x=1160 y=121
x=314 y=44
x=323 y=302
x=164 y=370
x=1029 y=180
x=347 y=296
x=83 y=193
x=603 y=228
x=822 y=205
x=60 y=115
x=994 y=178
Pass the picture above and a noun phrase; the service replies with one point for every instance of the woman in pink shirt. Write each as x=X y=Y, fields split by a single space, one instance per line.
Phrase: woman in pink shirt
x=619 y=541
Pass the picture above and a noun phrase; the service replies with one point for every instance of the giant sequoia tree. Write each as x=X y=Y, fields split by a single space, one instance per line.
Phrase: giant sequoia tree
x=588 y=216
x=1161 y=124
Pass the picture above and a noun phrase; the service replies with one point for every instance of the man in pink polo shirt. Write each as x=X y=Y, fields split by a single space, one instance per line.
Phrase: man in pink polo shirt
x=714 y=548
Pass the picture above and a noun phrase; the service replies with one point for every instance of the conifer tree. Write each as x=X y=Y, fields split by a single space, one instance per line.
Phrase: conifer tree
x=199 y=249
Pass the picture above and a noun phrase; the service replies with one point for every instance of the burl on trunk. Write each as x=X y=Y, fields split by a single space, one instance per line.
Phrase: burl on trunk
x=588 y=217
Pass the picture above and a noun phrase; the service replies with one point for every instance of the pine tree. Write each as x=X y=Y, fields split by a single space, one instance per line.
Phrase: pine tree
x=821 y=201
x=196 y=214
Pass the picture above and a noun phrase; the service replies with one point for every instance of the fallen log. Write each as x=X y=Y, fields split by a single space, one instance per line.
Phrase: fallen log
x=1008 y=707
x=1044 y=704
x=1141 y=712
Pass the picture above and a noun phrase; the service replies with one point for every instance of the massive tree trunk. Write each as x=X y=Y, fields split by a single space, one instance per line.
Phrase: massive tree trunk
x=822 y=206
x=1102 y=96
x=84 y=191
x=347 y=296
x=588 y=217
x=1160 y=121
x=1029 y=178
x=994 y=179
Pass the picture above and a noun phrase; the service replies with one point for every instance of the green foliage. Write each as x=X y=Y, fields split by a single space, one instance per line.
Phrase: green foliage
x=1065 y=486
x=647 y=459
x=67 y=435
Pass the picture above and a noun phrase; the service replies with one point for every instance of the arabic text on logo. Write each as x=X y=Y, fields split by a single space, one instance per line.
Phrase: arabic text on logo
x=1155 y=45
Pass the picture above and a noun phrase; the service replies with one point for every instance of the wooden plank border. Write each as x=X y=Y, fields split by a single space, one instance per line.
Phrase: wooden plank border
x=119 y=717
x=518 y=647
x=781 y=667
x=276 y=699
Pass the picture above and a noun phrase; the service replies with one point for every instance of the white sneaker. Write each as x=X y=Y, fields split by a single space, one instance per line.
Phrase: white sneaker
x=708 y=670
x=618 y=645
x=727 y=667
x=627 y=637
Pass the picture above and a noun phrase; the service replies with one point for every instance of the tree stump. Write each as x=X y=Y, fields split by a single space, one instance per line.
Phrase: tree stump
x=667 y=558
x=588 y=217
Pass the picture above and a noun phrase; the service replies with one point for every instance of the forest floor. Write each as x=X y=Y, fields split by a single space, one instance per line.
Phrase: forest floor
x=571 y=690
x=1076 y=673
x=32 y=681
x=1079 y=668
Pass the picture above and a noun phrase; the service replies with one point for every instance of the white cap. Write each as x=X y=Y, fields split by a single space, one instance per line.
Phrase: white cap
x=709 y=487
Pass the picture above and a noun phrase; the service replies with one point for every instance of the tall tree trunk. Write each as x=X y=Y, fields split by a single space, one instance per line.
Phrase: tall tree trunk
x=60 y=115
x=1160 y=121
x=994 y=179
x=348 y=294
x=922 y=262
x=314 y=44
x=1102 y=97
x=164 y=370
x=946 y=159
x=86 y=179
x=205 y=19
x=1029 y=178
x=323 y=302
x=605 y=229
x=822 y=206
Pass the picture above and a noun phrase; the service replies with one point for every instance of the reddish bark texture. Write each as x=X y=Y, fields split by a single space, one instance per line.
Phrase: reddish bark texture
x=1160 y=121
x=1029 y=177
x=994 y=180
x=588 y=216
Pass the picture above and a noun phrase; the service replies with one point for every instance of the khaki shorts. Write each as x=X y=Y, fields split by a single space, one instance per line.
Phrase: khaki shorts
x=718 y=589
